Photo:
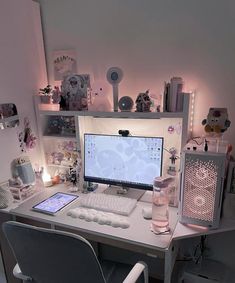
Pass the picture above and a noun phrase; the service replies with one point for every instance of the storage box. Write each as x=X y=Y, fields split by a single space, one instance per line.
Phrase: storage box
x=22 y=193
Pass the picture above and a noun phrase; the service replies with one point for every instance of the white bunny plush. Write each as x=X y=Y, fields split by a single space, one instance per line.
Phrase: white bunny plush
x=99 y=97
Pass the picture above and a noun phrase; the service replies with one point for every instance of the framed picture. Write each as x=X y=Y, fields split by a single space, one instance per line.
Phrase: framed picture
x=231 y=178
x=64 y=63
x=74 y=90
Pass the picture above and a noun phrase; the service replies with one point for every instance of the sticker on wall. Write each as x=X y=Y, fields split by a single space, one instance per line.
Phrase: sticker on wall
x=171 y=129
x=21 y=142
x=26 y=138
x=178 y=128
x=64 y=63
x=175 y=129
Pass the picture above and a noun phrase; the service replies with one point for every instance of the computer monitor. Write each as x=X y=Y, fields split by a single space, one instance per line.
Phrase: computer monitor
x=125 y=161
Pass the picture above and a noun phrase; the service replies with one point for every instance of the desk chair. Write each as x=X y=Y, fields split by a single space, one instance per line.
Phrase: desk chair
x=52 y=256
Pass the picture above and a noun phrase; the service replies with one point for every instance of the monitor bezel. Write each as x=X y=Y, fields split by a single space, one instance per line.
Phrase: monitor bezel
x=117 y=183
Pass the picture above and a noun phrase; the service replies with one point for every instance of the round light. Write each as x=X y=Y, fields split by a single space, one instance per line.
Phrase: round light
x=125 y=103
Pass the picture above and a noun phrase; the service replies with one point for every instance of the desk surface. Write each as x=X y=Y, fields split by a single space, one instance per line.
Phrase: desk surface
x=183 y=231
x=138 y=233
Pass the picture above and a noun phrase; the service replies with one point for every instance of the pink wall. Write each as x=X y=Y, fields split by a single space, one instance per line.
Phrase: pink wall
x=151 y=41
x=22 y=71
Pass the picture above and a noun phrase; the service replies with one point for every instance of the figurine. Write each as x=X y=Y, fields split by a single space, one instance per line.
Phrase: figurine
x=56 y=93
x=74 y=174
x=143 y=102
x=217 y=121
x=171 y=170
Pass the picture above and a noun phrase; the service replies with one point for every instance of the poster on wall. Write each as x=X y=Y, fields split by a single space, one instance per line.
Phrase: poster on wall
x=64 y=63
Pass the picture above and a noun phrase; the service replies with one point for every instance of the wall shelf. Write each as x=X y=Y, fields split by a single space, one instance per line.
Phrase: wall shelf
x=61 y=137
x=128 y=115
x=59 y=166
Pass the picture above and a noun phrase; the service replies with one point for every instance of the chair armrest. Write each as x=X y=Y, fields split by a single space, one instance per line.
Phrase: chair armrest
x=136 y=271
x=18 y=274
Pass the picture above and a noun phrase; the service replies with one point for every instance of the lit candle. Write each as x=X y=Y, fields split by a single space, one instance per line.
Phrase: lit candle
x=46 y=178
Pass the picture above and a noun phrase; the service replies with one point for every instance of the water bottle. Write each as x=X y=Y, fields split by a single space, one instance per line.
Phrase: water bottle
x=160 y=204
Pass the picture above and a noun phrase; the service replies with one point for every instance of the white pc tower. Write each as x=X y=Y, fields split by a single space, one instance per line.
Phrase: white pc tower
x=201 y=193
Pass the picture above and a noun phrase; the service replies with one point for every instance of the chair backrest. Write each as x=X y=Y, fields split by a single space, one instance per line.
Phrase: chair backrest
x=49 y=256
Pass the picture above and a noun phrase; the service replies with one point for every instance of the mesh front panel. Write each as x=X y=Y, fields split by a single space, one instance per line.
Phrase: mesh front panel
x=200 y=182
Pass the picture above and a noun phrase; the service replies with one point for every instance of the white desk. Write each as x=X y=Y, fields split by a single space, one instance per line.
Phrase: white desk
x=186 y=231
x=137 y=237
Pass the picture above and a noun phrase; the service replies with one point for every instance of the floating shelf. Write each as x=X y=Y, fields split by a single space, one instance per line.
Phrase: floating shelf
x=129 y=115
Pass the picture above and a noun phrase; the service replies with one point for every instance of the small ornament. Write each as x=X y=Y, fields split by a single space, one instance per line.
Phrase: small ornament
x=171 y=169
x=56 y=93
x=143 y=102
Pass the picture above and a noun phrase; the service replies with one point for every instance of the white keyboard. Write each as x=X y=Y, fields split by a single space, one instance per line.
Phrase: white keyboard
x=109 y=203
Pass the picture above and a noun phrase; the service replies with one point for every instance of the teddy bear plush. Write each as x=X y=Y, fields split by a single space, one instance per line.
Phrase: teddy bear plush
x=217 y=121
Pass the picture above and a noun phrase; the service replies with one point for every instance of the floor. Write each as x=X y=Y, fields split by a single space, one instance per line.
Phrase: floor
x=2 y=274
x=153 y=280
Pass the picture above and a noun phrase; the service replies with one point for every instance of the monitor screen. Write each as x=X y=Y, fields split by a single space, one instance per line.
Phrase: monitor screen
x=123 y=161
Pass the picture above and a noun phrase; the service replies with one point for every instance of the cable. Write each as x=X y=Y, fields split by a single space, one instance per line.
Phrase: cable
x=194 y=139
x=200 y=248
x=206 y=145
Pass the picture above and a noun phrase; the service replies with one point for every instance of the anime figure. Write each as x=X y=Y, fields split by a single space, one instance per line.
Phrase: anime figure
x=217 y=121
x=56 y=93
x=172 y=170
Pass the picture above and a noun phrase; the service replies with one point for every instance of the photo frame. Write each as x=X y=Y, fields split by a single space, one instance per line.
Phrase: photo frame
x=74 y=90
x=230 y=188
x=64 y=63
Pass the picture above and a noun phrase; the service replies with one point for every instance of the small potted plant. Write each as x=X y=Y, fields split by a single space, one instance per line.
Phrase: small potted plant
x=45 y=94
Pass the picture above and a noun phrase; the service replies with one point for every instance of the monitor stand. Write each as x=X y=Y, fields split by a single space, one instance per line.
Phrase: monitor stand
x=124 y=192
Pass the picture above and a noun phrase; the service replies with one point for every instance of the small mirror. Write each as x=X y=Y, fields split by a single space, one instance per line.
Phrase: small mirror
x=8 y=116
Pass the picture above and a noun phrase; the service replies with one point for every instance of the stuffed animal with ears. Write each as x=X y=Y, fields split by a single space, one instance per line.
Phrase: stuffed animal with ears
x=217 y=121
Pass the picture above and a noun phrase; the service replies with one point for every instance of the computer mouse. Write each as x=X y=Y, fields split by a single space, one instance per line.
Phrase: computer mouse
x=147 y=212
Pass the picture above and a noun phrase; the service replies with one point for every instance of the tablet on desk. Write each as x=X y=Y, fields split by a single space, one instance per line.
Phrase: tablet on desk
x=54 y=203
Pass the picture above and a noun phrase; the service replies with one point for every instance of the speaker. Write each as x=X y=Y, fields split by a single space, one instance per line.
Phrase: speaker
x=201 y=192
x=125 y=103
x=114 y=76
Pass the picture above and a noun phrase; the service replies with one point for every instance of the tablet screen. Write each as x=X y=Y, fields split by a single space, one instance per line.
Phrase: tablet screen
x=54 y=203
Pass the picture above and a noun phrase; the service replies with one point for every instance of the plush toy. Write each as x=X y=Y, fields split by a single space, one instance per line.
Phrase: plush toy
x=217 y=121
x=99 y=97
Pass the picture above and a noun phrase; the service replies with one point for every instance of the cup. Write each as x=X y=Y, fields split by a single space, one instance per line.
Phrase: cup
x=160 y=205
